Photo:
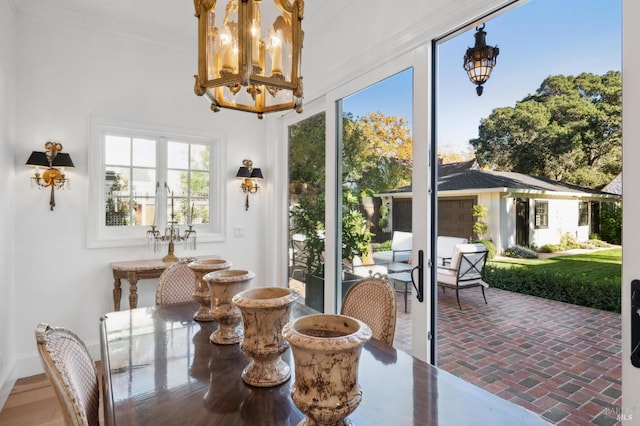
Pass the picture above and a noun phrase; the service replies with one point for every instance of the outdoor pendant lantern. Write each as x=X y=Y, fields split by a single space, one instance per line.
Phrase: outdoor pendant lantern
x=249 y=54
x=480 y=60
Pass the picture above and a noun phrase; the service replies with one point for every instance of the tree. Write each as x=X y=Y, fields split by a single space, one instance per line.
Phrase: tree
x=569 y=130
x=376 y=153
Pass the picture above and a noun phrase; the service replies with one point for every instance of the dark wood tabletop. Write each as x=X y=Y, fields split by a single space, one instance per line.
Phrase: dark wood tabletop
x=159 y=368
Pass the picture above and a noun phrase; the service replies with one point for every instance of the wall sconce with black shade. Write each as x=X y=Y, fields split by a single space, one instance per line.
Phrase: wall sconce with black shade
x=54 y=162
x=480 y=59
x=249 y=176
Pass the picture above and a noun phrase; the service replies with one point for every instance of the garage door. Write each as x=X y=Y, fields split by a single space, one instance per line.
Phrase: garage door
x=455 y=217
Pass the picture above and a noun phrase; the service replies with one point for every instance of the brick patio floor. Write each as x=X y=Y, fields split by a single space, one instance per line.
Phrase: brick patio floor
x=560 y=361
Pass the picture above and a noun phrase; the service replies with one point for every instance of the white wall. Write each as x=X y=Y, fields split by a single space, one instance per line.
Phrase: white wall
x=67 y=75
x=7 y=195
x=563 y=219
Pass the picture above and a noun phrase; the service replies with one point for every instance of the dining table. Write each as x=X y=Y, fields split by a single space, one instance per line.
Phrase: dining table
x=159 y=368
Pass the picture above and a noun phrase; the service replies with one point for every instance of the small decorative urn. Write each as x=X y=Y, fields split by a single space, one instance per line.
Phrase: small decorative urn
x=265 y=311
x=326 y=351
x=223 y=285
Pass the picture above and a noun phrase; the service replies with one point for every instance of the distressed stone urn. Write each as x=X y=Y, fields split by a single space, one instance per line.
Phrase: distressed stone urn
x=223 y=285
x=202 y=295
x=265 y=311
x=326 y=352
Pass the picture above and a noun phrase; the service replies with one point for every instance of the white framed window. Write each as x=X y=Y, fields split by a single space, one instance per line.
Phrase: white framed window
x=142 y=175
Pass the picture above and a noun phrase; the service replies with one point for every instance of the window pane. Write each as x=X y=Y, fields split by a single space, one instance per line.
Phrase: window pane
x=144 y=153
x=117 y=150
x=178 y=155
x=178 y=181
x=200 y=185
x=117 y=197
x=199 y=157
x=144 y=182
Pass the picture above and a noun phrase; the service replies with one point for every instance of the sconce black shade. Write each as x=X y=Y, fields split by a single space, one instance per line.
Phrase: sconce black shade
x=38 y=158
x=256 y=173
x=243 y=172
x=62 y=160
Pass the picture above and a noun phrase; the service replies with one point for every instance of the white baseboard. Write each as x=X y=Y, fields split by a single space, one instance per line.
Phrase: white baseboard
x=6 y=384
x=29 y=364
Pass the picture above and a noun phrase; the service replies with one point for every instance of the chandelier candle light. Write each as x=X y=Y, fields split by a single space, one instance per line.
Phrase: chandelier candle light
x=234 y=52
x=171 y=233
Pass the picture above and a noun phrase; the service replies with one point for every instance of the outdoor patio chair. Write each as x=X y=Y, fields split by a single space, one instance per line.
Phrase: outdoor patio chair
x=298 y=255
x=466 y=269
x=72 y=373
x=373 y=301
x=176 y=284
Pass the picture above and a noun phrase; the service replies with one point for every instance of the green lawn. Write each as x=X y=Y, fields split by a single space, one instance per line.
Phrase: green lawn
x=590 y=279
x=595 y=266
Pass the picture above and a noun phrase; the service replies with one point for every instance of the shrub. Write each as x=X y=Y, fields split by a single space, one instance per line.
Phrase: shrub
x=384 y=246
x=570 y=288
x=549 y=248
x=491 y=248
x=520 y=252
x=598 y=243
x=568 y=242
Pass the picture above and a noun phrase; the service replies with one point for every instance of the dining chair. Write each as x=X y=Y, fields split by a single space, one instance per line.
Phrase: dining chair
x=176 y=284
x=373 y=301
x=72 y=372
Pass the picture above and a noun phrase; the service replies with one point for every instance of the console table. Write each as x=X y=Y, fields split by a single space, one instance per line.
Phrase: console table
x=132 y=271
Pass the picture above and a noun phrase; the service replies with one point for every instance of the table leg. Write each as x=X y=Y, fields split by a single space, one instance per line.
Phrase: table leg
x=117 y=293
x=133 y=290
x=406 y=290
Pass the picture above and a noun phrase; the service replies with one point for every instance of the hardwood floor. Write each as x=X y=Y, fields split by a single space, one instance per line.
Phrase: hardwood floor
x=33 y=402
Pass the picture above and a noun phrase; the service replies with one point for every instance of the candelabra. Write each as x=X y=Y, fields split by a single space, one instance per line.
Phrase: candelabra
x=171 y=234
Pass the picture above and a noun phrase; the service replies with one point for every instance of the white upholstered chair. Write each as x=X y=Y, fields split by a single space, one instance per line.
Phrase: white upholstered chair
x=373 y=301
x=466 y=269
x=72 y=373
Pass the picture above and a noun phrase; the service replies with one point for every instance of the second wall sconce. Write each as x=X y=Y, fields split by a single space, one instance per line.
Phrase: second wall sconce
x=54 y=163
x=249 y=176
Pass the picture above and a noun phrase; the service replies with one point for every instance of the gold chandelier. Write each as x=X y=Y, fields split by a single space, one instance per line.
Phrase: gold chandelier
x=236 y=52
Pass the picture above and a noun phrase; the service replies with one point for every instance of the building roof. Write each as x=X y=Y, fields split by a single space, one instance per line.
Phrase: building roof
x=615 y=186
x=468 y=178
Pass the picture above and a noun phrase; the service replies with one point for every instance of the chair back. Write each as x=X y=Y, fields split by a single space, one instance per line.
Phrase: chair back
x=176 y=284
x=72 y=373
x=373 y=301
x=298 y=253
x=471 y=260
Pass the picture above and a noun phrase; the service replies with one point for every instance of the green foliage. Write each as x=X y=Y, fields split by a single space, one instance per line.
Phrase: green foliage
x=520 y=252
x=568 y=242
x=307 y=218
x=611 y=223
x=569 y=130
x=384 y=216
x=480 y=227
x=591 y=279
x=569 y=288
x=491 y=248
x=549 y=248
x=384 y=246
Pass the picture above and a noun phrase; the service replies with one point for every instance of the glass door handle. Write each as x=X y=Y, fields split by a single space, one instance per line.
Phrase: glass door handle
x=420 y=285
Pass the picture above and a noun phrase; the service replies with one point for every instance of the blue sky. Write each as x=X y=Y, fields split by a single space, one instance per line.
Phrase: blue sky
x=536 y=40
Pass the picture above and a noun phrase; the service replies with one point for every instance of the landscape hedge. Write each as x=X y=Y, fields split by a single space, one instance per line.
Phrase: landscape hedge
x=603 y=295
